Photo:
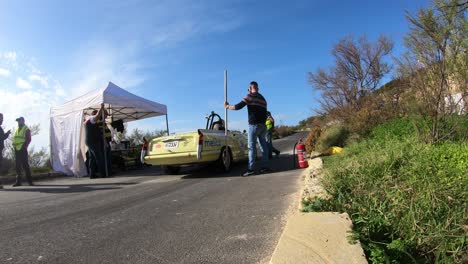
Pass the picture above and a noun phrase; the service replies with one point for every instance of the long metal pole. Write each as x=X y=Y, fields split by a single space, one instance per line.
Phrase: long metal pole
x=225 y=109
x=104 y=140
x=167 y=125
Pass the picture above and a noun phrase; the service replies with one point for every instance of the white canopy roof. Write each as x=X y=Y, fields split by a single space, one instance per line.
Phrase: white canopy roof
x=124 y=105
x=66 y=122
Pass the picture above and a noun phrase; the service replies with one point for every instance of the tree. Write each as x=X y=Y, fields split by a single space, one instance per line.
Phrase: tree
x=39 y=158
x=137 y=135
x=435 y=66
x=36 y=158
x=359 y=68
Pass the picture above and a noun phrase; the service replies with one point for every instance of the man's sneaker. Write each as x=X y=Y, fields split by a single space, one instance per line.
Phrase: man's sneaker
x=16 y=184
x=277 y=153
x=265 y=170
x=248 y=173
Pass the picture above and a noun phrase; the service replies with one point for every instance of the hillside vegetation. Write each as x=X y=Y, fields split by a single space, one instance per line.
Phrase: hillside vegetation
x=403 y=175
x=407 y=199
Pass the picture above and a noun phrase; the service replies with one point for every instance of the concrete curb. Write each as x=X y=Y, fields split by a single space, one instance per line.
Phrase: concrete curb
x=316 y=237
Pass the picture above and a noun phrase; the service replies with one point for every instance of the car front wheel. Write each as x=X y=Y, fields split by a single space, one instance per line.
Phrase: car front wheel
x=225 y=160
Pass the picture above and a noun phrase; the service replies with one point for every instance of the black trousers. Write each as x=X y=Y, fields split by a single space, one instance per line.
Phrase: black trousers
x=22 y=163
x=269 y=140
x=1 y=166
x=96 y=159
x=109 y=161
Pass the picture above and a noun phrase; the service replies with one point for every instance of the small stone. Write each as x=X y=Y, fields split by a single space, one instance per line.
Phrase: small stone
x=40 y=258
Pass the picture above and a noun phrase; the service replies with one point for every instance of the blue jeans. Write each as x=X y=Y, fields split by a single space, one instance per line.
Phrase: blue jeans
x=257 y=132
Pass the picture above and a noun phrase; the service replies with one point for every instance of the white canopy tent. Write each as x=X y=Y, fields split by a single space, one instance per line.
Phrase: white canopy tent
x=66 y=123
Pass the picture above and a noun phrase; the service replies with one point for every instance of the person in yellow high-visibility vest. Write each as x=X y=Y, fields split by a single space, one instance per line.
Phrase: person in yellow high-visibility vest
x=21 y=140
x=270 y=124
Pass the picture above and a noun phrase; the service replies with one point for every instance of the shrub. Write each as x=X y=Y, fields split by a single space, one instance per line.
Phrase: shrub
x=407 y=199
x=334 y=135
x=312 y=139
x=282 y=131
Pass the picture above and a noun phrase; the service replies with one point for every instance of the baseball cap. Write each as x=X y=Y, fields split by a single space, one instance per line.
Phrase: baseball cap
x=20 y=118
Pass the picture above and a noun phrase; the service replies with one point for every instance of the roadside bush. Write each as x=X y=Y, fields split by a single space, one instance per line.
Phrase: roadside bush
x=407 y=199
x=282 y=131
x=334 y=135
x=312 y=139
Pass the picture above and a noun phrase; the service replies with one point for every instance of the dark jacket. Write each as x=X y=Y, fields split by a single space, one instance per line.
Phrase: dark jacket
x=256 y=106
x=3 y=137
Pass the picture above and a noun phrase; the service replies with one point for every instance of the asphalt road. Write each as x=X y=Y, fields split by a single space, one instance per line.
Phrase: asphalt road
x=146 y=217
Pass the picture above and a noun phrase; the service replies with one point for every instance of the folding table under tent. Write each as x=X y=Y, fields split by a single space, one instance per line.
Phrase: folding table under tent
x=67 y=126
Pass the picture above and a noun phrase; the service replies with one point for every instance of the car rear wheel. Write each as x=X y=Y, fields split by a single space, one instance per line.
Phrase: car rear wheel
x=171 y=170
x=225 y=160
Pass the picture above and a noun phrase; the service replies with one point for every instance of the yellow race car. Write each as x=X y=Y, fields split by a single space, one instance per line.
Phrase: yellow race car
x=209 y=145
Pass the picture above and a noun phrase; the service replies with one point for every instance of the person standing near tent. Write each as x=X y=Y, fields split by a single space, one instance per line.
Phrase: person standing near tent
x=270 y=124
x=107 y=140
x=3 y=137
x=93 y=140
x=21 y=141
x=257 y=109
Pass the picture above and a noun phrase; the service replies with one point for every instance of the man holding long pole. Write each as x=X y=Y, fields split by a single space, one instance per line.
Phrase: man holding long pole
x=257 y=111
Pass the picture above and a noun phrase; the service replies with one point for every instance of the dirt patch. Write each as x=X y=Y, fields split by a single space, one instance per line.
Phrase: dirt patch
x=312 y=182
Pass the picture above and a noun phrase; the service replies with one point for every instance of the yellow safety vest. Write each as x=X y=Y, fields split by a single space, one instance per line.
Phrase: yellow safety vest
x=20 y=137
x=269 y=124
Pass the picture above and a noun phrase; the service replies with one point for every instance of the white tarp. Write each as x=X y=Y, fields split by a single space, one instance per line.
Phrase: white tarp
x=66 y=123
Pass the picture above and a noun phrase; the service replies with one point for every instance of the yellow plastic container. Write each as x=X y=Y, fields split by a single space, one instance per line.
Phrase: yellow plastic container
x=333 y=150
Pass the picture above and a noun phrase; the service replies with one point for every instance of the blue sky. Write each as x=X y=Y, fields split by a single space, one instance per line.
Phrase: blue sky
x=175 y=52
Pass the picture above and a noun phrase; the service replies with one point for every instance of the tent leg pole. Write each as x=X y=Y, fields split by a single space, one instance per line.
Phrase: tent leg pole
x=103 y=120
x=167 y=125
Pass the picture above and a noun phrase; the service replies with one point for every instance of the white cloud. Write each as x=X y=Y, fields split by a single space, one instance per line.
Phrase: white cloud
x=41 y=79
x=10 y=55
x=30 y=100
x=101 y=63
x=23 y=84
x=4 y=72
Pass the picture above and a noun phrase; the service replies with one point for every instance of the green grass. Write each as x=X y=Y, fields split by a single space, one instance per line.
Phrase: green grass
x=407 y=199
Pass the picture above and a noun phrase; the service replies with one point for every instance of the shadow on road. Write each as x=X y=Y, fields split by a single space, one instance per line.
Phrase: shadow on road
x=73 y=188
x=277 y=164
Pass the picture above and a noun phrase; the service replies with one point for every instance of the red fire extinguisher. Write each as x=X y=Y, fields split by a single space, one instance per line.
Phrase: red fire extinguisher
x=301 y=155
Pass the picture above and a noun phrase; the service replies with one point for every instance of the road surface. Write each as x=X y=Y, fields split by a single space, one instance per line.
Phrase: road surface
x=146 y=217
